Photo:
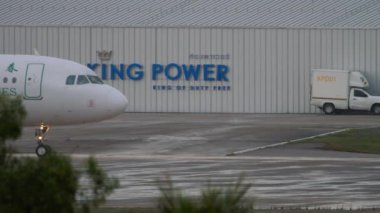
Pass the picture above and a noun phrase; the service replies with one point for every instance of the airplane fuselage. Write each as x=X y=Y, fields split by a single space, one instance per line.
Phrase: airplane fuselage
x=57 y=91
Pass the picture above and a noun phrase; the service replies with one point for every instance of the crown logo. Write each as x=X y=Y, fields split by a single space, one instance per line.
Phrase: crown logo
x=104 y=55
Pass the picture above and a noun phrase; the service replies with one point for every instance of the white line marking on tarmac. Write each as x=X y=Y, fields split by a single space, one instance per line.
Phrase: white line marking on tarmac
x=284 y=143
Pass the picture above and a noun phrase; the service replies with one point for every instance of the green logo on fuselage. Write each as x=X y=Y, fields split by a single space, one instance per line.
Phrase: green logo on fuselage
x=11 y=68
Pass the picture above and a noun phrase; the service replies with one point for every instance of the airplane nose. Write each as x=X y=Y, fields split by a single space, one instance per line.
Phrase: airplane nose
x=117 y=102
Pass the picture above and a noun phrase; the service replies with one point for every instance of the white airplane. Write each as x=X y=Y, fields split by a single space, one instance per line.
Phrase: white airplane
x=57 y=92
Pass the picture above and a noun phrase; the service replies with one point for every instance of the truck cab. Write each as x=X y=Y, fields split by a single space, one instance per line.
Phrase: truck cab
x=362 y=100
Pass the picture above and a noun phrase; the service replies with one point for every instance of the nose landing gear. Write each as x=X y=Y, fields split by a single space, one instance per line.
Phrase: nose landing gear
x=40 y=135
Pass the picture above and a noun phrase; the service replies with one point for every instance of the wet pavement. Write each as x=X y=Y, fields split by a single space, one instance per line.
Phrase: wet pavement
x=139 y=148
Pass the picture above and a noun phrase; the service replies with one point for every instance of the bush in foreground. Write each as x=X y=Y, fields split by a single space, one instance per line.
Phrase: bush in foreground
x=12 y=114
x=211 y=200
x=47 y=184
x=51 y=184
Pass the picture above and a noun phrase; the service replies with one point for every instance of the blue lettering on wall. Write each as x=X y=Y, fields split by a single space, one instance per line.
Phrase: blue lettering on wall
x=222 y=71
x=104 y=71
x=134 y=74
x=117 y=70
x=172 y=71
x=208 y=72
x=156 y=69
x=132 y=71
x=191 y=70
x=92 y=66
x=176 y=70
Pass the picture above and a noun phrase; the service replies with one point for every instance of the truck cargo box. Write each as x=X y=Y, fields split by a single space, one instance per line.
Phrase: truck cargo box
x=330 y=84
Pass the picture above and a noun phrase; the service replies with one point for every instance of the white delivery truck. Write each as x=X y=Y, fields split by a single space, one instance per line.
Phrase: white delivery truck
x=333 y=90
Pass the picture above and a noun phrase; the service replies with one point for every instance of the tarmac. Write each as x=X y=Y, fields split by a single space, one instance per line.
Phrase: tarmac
x=194 y=149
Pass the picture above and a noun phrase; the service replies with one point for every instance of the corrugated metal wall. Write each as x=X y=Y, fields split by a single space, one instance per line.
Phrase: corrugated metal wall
x=269 y=68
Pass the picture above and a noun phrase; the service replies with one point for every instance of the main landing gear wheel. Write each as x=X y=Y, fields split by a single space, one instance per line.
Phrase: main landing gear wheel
x=42 y=150
x=40 y=134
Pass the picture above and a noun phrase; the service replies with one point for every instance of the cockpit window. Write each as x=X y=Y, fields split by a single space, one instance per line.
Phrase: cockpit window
x=82 y=79
x=95 y=79
x=70 y=80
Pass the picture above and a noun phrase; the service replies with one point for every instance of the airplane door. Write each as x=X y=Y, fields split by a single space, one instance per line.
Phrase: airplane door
x=33 y=81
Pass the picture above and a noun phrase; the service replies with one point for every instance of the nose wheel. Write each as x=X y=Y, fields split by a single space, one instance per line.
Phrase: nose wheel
x=40 y=135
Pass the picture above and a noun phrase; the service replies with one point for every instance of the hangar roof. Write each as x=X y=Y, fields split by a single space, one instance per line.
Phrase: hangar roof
x=193 y=13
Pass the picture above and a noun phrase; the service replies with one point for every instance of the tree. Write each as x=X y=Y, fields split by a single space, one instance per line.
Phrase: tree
x=12 y=114
x=97 y=187
x=46 y=184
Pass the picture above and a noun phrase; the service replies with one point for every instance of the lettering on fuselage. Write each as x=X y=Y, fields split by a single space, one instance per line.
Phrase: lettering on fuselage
x=8 y=91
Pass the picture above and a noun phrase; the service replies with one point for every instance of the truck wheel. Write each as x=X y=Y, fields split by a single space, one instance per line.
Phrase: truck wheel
x=328 y=108
x=376 y=109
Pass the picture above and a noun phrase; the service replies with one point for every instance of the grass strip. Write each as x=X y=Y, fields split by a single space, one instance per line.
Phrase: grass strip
x=353 y=140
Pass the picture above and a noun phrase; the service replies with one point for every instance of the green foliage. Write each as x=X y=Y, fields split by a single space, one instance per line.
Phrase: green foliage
x=172 y=200
x=98 y=186
x=46 y=184
x=212 y=199
x=12 y=114
x=38 y=185
x=50 y=183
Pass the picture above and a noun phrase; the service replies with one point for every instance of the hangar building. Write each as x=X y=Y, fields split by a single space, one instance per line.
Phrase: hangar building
x=222 y=56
